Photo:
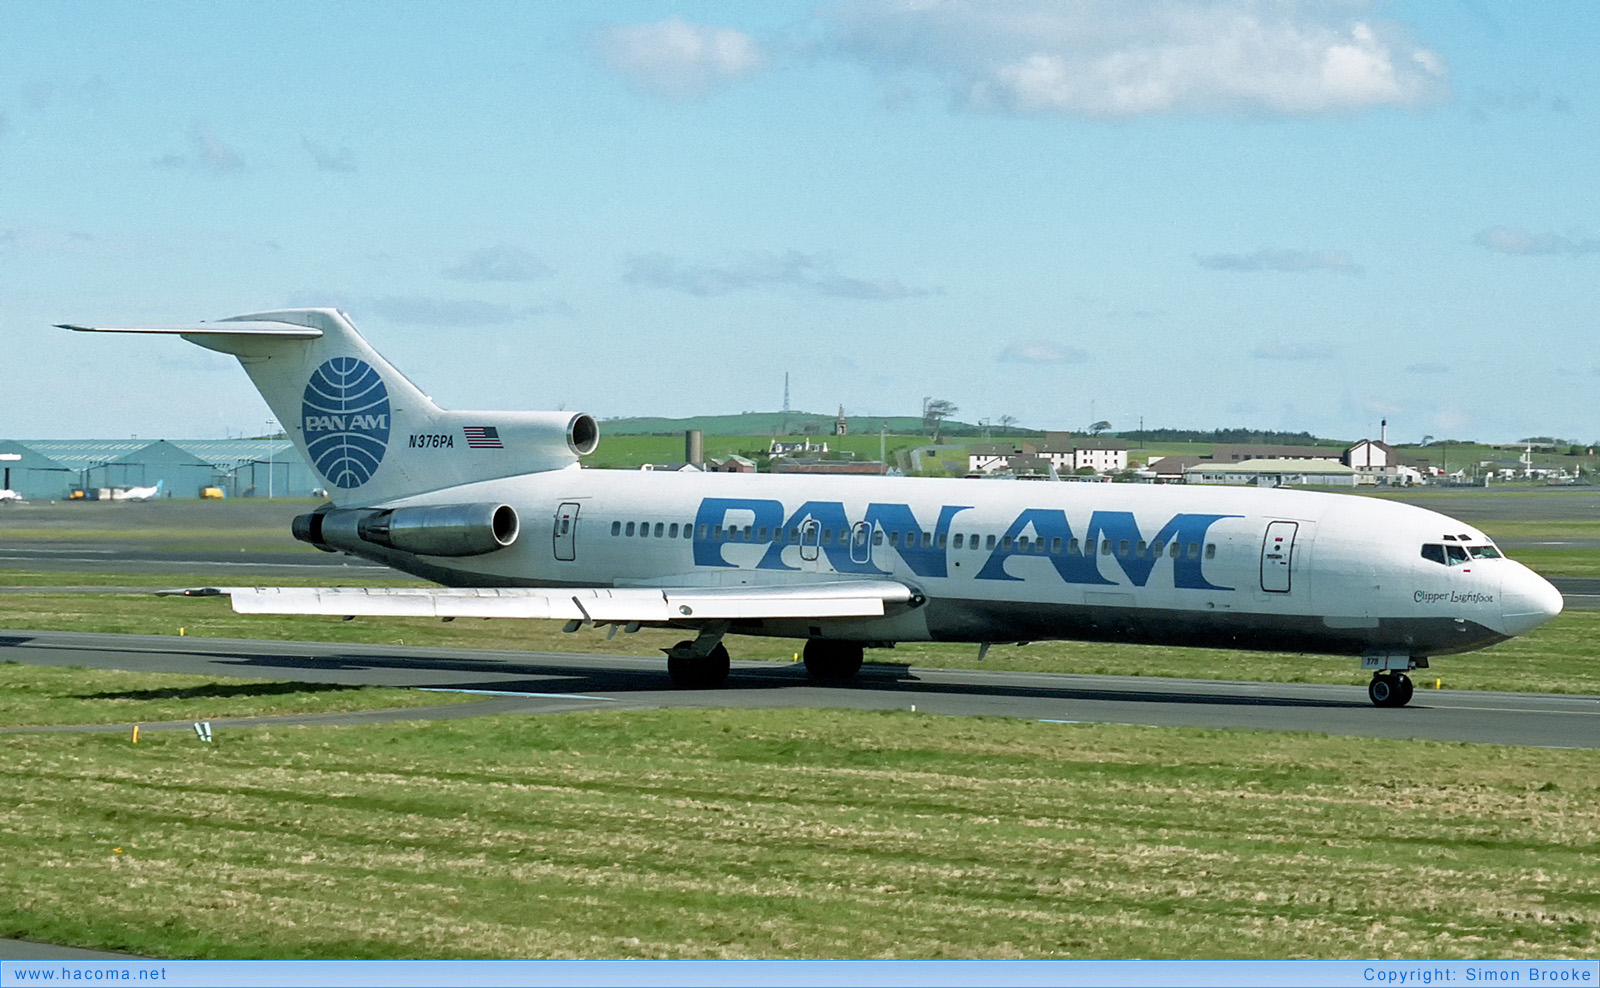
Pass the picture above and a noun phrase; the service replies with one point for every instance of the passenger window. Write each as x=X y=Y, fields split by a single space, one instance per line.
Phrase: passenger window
x=958 y=542
x=894 y=539
x=1105 y=547
x=1157 y=548
x=672 y=530
x=827 y=536
x=705 y=530
x=630 y=529
x=944 y=539
x=1194 y=550
x=1455 y=554
x=1211 y=550
x=1073 y=549
x=749 y=530
x=1055 y=547
x=1005 y=543
x=1022 y=544
x=716 y=534
x=877 y=536
x=927 y=540
x=1122 y=548
x=1176 y=548
x=1141 y=549
x=988 y=542
x=761 y=534
x=616 y=528
x=1434 y=552
x=660 y=528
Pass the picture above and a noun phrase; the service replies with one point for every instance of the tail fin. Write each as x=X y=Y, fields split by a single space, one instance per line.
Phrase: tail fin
x=364 y=428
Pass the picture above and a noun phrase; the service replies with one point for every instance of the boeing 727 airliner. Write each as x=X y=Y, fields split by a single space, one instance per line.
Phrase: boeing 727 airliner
x=496 y=508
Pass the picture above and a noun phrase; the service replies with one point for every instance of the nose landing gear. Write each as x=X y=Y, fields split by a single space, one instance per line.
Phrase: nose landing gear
x=1390 y=689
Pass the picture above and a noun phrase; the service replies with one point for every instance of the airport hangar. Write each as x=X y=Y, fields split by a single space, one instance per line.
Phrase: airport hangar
x=52 y=469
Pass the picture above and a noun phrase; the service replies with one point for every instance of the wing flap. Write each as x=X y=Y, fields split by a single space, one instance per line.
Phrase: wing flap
x=864 y=598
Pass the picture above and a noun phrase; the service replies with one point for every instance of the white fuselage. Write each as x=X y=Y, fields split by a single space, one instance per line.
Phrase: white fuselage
x=1015 y=561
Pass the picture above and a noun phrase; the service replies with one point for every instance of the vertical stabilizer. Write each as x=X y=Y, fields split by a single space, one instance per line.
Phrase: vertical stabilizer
x=366 y=430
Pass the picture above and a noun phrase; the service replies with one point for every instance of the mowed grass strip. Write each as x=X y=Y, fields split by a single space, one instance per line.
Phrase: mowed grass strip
x=1557 y=658
x=47 y=696
x=732 y=833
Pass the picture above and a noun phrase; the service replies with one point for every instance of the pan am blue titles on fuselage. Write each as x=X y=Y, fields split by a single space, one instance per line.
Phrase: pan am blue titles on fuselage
x=494 y=506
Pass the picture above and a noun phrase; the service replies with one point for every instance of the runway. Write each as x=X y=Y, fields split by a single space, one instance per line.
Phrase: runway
x=532 y=683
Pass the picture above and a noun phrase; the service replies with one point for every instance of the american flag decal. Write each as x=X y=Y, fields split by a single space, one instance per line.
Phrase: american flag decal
x=482 y=437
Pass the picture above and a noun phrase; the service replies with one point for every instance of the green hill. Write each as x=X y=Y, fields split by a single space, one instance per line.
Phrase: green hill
x=783 y=424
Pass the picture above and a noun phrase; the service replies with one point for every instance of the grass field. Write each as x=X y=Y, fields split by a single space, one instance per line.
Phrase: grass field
x=729 y=833
x=32 y=696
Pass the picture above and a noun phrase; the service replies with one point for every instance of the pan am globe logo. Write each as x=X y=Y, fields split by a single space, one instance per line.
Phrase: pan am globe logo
x=345 y=415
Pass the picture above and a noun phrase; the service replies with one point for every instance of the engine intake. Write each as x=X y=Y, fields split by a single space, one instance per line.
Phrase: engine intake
x=435 y=530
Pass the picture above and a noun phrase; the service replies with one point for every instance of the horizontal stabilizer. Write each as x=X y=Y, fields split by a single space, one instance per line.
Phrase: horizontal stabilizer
x=865 y=598
x=279 y=330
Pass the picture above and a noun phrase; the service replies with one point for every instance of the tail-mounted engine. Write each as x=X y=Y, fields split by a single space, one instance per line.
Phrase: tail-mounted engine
x=436 y=530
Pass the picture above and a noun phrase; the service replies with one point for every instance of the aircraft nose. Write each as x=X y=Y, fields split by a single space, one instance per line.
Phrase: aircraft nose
x=1527 y=600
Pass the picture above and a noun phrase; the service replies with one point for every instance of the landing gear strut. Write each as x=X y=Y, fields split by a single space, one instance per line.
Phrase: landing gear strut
x=701 y=664
x=832 y=662
x=1390 y=689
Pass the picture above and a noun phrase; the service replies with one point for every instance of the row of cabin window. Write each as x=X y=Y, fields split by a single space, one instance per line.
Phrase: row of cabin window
x=912 y=540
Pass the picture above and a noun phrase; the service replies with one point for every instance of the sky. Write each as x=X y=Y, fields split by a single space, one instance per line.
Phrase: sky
x=1272 y=215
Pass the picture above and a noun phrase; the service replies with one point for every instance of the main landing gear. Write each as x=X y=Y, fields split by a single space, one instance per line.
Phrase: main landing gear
x=701 y=664
x=831 y=661
x=1390 y=689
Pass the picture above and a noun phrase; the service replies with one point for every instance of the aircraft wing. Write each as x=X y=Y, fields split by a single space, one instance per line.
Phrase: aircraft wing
x=855 y=598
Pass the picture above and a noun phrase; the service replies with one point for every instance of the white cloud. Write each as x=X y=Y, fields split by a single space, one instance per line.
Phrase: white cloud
x=1279 y=259
x=1292 y=351
x=1512 y=240
x=679 y=60
x=1040 y=352
x=329 y=159
x=501 y=262
x=207 y=153
x=1105 y=58
x=811 y=273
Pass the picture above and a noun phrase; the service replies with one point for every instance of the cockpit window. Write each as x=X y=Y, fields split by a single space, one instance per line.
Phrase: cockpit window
x=1451 y=554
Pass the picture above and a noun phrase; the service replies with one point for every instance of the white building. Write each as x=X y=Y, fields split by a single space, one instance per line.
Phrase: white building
x=1273 y=473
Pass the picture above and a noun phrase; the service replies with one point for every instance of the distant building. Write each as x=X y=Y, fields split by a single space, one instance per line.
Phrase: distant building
x=676 y=466
x=733 y=463
x=864 y=468
x=1059 y=451
x=1238 y=453
x=781 y=447
x=239 y=467
x=841 y=425
x=1278 y=472
x=33 y=475
x=1171 y=469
